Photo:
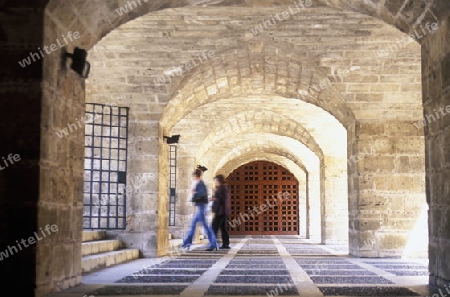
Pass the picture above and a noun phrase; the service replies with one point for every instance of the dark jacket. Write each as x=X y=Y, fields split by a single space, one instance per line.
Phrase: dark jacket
x=222 y=204
x=201 y=189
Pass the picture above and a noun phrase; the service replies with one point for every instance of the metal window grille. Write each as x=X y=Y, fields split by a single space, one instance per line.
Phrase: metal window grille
x=172 y=183
x=105 y=167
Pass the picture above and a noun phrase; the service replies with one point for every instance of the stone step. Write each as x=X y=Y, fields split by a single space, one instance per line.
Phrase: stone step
x=96 y=247
x=93 y=235
x=175 y=243
x=99 y=261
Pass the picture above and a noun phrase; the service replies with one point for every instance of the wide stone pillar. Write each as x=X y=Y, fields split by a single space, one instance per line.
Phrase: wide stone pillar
x=186 y=163
x=353 y=192
x=436 y=95
x=147 y=185
x=314 y=231
x=40 y=195
x=20 y=138
x=335 y=206
x=303 y=206
x=61 y=169
x=162 y=226
x=390 y=162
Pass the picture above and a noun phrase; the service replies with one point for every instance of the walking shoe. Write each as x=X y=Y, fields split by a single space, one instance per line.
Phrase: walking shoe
x=225 y=247
x=187 y=247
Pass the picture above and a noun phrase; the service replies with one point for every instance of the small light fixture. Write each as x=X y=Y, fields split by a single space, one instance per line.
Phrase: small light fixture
x=172 y=139
x=202 y=168
x=79 y=63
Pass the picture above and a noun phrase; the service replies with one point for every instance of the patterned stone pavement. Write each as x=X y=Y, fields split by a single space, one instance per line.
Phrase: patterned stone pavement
x=260 y=266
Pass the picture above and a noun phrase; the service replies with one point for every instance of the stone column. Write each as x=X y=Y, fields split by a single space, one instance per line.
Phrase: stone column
x=162 y=228
x=436 y=94
x=314 y=206
x=353 y=192
x=185 y=210
x=335 y=216
x=20 y=135
x=390 y=161
x=147 y=155
x=303 y=195
x=61 y=170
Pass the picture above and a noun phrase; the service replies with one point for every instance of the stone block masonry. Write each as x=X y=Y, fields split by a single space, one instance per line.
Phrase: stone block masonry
x=430 y=28
x=273 y=20
x=249 y=64
x=182 y=69
x=131 y=5
x=367 y=152
x=50 y=184
x=50 y=49
x=429 y=118
x=80 y=123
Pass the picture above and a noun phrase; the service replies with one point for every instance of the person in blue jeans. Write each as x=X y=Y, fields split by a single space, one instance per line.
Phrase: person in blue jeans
x=199 y=187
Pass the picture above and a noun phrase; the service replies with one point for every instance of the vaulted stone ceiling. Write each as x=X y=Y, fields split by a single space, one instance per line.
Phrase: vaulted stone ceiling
x=330 y=55
x=343 y=45
x=219 y=126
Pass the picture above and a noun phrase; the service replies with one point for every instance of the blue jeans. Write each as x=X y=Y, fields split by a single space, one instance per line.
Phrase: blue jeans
x=200 y=217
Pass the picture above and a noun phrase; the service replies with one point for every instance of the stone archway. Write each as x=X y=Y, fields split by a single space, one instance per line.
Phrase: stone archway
x=249 y=121
x=56 y=97
x=309 y=200
x=188 y=105
x=105 y=18
x=298 y=84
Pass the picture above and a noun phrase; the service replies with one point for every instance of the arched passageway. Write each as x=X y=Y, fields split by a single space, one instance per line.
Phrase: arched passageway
x=371 y=109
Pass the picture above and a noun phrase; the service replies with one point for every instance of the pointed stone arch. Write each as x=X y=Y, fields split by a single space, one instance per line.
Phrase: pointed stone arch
x=272 y=148
x=262 y=122
x=262 y=68
x=317 y=196
x=95 y=19
x=309 y=199
x=269 y=69
x=232 y=164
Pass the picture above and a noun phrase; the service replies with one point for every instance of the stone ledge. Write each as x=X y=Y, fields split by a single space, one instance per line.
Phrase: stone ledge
x=173 y=243
x=93 y=235
x=95 y=247
x=104 y=260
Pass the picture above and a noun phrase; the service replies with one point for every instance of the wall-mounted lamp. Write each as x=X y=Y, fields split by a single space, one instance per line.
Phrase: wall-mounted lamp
x=79 y=63
x=172 y=139
x=202 y=168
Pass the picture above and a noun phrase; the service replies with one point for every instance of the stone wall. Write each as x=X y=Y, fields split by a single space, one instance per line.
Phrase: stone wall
x=388 y=93
x=391 y=188
x=62 y=101
x=20 y=124
x=436 y=94
x=142 y=180
x=186 y=163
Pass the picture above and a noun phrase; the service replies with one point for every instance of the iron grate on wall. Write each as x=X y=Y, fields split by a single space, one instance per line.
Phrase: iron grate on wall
x=172 y=184
x=105 y=167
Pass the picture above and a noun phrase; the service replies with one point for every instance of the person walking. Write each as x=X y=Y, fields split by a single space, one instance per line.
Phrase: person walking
x=222 y=210
x=200 y=198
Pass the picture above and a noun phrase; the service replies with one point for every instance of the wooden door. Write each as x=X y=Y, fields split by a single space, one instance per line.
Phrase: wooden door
x=264 y=200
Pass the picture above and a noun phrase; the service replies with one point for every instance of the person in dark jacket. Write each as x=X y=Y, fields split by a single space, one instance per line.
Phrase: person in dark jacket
x=222 y=210
x=199 y=188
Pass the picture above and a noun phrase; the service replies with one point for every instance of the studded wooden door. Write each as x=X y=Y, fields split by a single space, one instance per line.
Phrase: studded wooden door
x=264 y=200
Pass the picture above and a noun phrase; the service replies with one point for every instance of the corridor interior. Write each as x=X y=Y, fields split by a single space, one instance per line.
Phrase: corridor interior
x=267 y=265
x=336 y=95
